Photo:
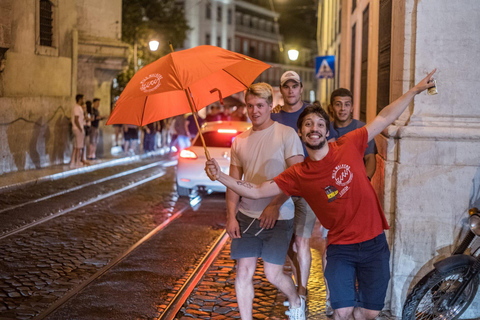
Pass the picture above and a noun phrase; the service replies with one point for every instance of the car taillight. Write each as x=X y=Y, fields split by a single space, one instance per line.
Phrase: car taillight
x=188 y=154
x=227 y=131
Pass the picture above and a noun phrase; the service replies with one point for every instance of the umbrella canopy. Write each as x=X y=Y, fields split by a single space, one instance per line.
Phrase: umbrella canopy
x=163 y=88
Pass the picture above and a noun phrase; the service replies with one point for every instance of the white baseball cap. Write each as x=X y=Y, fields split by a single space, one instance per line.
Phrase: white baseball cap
x=290 y=75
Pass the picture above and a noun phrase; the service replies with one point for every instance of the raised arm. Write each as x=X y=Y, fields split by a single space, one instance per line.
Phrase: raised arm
x=240 y=187
x=391 y=112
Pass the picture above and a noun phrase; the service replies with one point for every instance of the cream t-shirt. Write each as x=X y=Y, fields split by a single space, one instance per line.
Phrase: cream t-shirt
x=261 y=155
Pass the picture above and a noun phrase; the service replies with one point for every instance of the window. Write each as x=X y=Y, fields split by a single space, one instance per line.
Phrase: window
x=46 y=23
x=229 y=44
x=252 y=52
x=245 y=47
x=208 y=11
x=46 y=42
x=219 y=41
x=207 y=38
x=229 y=16
x=219 y=13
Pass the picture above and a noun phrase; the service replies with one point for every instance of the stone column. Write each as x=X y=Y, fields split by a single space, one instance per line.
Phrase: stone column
x=432 y=155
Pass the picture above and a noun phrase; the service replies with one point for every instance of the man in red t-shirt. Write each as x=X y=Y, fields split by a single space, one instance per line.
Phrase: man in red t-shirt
x=333 y=181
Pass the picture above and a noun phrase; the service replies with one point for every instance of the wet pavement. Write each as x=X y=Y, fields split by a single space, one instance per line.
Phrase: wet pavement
x=42 y=263
x=14 y=215
x=142 y=284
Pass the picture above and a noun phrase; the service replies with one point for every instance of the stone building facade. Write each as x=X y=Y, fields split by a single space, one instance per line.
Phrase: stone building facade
x=428 y=165
x=52 y=50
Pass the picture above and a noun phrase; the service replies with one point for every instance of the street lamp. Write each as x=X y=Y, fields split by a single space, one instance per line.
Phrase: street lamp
x=293 y=54
x=153 y=45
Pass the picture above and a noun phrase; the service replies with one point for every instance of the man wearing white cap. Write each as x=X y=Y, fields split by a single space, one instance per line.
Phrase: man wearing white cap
x=291 y=88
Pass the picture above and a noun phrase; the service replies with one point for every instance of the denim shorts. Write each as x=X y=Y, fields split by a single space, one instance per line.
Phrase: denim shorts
x=365 y=263
x=269 y=244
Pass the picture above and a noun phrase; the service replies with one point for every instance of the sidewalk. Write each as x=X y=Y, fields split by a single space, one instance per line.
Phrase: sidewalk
x=15 y=180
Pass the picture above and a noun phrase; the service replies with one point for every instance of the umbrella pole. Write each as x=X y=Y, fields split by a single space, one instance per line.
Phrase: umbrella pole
x=207 y=154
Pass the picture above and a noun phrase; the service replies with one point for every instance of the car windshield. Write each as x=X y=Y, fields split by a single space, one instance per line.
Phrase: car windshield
x=217 y=139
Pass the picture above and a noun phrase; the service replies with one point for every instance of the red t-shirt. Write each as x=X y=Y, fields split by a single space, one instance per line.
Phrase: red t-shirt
x=338 y=190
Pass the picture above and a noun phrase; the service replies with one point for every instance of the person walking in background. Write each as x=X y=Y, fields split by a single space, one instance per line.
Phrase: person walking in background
x=240 y=114
x=96 y=118
x=87 y=111
x=149 y=132
x=78 y=122
x=118 y=131
x=227 y=113
x=182 y=135
x=215 y=113
x=130 y=134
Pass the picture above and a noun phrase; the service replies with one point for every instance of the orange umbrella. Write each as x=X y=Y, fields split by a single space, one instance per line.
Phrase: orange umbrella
x=182 y=82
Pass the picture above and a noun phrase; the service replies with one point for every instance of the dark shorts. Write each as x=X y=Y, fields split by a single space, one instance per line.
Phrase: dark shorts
x=131 y=134
x=366 y=263
x=269 y=244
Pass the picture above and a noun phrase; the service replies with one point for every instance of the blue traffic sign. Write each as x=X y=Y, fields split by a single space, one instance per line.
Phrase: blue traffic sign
x=325 y=67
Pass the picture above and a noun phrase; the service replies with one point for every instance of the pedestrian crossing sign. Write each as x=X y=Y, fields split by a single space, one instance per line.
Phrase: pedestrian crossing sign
x=325 y=67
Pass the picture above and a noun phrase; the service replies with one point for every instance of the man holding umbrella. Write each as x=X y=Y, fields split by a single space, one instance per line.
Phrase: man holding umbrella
x=260 y=154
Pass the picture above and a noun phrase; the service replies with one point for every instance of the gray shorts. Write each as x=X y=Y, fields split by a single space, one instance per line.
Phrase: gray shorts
x=269 y=244
x=304 y=218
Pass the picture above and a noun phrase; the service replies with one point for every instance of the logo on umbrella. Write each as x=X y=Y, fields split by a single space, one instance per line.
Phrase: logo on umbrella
x=151 y=82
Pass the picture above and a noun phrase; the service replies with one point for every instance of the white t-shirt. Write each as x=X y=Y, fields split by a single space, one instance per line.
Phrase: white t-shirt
x=261 y=155
x=78 y=111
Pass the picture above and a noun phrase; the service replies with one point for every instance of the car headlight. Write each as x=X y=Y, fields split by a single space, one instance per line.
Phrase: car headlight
x=474 y=222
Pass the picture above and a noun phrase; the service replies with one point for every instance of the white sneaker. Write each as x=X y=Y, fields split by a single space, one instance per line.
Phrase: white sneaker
x=296 y=313
x=328 y=308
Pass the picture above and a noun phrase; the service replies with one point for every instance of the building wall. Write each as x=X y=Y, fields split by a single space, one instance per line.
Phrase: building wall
x=428 y=163
x=436 y=153
x=38 y=85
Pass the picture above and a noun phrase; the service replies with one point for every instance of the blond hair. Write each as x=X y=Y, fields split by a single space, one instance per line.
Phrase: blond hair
x=261 y=90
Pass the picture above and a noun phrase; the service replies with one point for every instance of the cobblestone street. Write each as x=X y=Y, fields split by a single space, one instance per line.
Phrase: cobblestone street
x=214 y=297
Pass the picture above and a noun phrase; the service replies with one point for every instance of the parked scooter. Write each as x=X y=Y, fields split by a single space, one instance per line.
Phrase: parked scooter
x=448 y=290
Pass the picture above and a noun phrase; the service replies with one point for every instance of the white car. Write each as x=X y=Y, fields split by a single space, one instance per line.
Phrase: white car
x=218 y=137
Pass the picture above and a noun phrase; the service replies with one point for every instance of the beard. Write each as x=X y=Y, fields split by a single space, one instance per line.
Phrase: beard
x=316 y=147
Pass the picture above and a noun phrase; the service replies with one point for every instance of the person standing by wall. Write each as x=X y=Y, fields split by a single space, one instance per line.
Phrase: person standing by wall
x=78 y=122
x=95 y=115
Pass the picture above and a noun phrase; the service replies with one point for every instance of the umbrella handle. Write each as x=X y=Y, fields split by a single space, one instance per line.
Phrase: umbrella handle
x=219 y=93
x=207 y=154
